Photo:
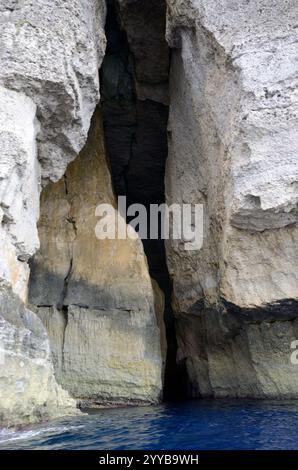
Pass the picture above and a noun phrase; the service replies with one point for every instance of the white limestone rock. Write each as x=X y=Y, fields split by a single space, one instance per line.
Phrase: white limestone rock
x=52 y=51
x=50 y=54
x=233 y=148
x=28 y=388
x=19 y=187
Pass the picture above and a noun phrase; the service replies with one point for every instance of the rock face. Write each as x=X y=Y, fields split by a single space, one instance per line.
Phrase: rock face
x=233 y=148
x=102 y=322
x=50 y=53
x=28 y=389
x=134 y=127
x=49 y=63
x=49 y=88
x=232 y=140
x=144 y=23
x=135 y=98
x=19 y=188
x=228 y=355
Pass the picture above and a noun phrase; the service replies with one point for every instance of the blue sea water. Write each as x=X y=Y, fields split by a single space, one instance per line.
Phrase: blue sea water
x=196 y=425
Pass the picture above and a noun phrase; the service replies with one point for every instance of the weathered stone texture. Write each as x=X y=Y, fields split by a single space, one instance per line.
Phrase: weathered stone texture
x=227 y=356
x=28 y=388
x=19 y=188
x=50 y=52
x=106 y=340
x=233 y=147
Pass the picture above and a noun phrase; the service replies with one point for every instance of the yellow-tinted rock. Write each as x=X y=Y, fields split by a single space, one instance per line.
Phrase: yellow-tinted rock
x=105 y=338
x=28 y=388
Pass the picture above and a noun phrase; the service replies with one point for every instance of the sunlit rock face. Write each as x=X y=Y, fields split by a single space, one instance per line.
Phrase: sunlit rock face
x=28 y=388
x=19 y=188
x=233 y=148
x=95 y=296
x=232 y=140
x=50 y=53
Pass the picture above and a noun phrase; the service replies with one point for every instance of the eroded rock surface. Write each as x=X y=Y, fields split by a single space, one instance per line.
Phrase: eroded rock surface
x=50 y=53
x=230 y=356
x=232 y=139
x=49 y=60
x=233 y=148
x=102 y=323
x=19 y=188
x=28 y=388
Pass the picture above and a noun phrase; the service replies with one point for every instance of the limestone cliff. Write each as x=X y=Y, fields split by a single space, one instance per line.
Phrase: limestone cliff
x=50 y=53
x=95 y=296
x=199 y=102
x=28 y=388
x=49 y=87
x=233 y=148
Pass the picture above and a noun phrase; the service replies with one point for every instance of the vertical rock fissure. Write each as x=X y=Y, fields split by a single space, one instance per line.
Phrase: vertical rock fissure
x=65 y=319
x=65 y=184
x=135 y=103
x=61 y=305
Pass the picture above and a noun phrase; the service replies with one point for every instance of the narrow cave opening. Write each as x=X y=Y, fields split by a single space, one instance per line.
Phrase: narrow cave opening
x=135 y=105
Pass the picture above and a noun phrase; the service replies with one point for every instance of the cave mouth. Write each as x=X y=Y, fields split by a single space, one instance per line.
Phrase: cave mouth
x=135 y=106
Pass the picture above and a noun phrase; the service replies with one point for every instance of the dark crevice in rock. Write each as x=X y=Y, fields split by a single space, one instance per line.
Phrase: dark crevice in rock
x=134 y=91
x=65 y=319
x=63 y=296
x=65 y=184
x=72 y=221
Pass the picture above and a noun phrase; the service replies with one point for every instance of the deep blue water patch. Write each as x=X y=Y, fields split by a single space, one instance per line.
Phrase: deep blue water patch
x=193 y=425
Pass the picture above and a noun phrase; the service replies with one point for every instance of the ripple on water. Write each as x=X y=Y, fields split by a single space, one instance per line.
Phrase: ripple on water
x=201 y=424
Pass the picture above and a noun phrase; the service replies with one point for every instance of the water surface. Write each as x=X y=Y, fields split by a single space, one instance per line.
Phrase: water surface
x=195 y=425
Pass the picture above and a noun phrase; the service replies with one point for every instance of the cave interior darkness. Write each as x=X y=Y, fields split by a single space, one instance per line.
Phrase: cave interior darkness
x=134 y=101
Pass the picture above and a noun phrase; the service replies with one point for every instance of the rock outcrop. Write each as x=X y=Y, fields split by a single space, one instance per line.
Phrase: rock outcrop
x=50 y=53
x=144 y=24
x=49 y=61
x=232 y=145
x=28 y=388
x=19 y=188
x=233 y=148
x=101 y=320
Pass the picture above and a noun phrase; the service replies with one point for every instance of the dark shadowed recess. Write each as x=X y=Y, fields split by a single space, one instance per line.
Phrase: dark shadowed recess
x=134 y=88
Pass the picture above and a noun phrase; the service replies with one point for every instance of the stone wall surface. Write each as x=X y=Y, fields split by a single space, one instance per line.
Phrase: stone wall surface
x=102 y=321
x=233 y=148
x=19 y=188
x=232 y=141
x=28 y=388
x=50 y=52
